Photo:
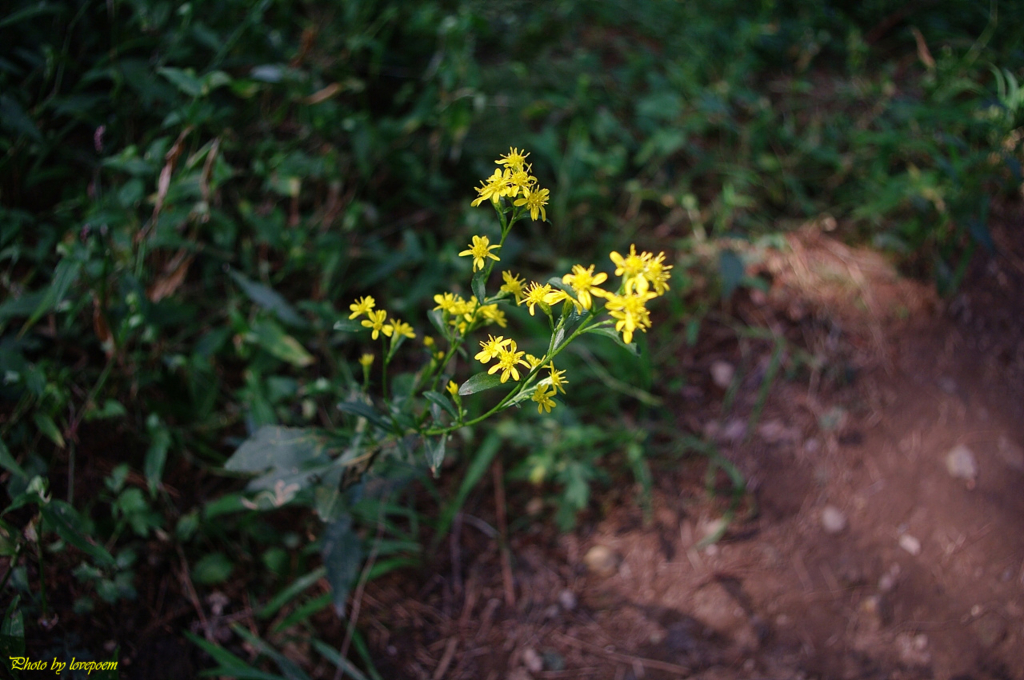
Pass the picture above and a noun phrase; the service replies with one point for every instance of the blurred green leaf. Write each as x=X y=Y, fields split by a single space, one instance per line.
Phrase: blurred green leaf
x=65 y=521
x=269 y=299
x=286 y=459
x=342 y=555
x=8 y=462
x=212 y=568
x=49 y=428
x=614 y=335
x=272 y=338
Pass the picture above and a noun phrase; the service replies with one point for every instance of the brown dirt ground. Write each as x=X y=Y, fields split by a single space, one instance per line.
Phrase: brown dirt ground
x=926 y=579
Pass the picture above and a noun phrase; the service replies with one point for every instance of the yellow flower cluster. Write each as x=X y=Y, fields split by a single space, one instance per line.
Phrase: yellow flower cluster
x=462 y=314
x=644 y=277
x=514 y=182
x=375 y=320
x=509 y=358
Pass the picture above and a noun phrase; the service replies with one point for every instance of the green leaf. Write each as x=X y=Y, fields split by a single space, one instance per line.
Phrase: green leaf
x=213 y=568
x=442 y=401
x=289 y=460
x=156 y=455
x=338 y=660
x=435 y=452
x=269 y=299
x=12 y=631
x=183 y=79
x=7 y=461
x=347 y=326
x=342 y=555
x=14 y=118
x=478 y=286
x=111 y=409
x=479 y=383
x=49 y=428
x=272 y=338
x=64 y=276
x=291 y=592
x=66 y=522
x=22 y=306
x=731 y=269
x=28 y=13
x=290 y=669
x=436 y=317
x=364 y=410
x=226 y=659
x=614 y=335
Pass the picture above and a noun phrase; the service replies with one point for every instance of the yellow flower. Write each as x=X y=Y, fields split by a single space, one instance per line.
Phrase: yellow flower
x=508 y=358
x=657 y=273
x=557 y=381
x=513 y=285
x=556 y=296
x=543 y=399
x=630 y=313
x=453 y=389
x=366 y=360
x=494 y=315
x=375 y=321
x=480 y=250
x=534 y=200
x=428 y=341
x=398 y=328
x=361 y=306
x=520 y=180
x=514 y=159
x=535 y=295
x=631 y=268
x=494 y=187
x=491 y=348
x=585 y=283
x=532 y=361
x=447 y=302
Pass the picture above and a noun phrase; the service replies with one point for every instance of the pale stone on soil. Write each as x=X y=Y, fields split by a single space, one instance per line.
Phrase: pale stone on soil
x=913 y=649
x=990 y=631
x=722 y=373
x=833 y=520
x=601 y=561
x=910 y=544
x=532 y=660
x=961 y=463
x=1011 y=454
x=734 y=430
x=715 y=608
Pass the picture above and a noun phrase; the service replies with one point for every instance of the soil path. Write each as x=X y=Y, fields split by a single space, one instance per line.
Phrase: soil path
x=888 y=537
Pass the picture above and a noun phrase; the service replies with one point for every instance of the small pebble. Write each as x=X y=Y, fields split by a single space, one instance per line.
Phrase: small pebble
x=833 y=520
x=910 y=544
x=567 y=599
x=1011 y=454
x=961 y=464
x=532 y=660
x=734 y=430
x=722 y=373
x=990 y=631
x=601 y=561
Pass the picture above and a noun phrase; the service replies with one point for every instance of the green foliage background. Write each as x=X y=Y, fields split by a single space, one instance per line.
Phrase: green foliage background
x=190 y=195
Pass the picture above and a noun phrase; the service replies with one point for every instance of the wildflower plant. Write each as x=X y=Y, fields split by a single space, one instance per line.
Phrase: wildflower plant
x=472 y=349
x=577 y=303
